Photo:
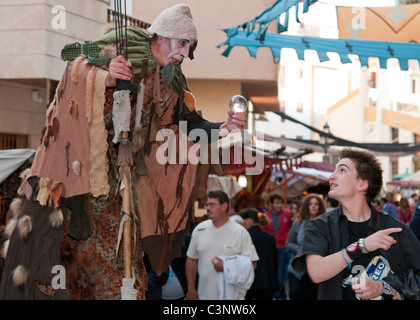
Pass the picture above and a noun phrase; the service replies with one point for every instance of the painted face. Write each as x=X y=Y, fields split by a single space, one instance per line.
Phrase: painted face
x=313 y=207
x=344 y=181
x=172 y=51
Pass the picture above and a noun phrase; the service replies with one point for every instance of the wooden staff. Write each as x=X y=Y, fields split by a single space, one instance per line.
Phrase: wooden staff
x=125 y=152
x=126 y=208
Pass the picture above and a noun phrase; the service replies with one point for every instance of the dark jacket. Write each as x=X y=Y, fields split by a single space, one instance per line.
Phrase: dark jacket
x=415 y=222
x=329 y=233
x=266 y=271
x=178 y=263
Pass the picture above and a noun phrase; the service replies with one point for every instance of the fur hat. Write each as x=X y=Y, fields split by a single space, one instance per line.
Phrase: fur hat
x=175 y=22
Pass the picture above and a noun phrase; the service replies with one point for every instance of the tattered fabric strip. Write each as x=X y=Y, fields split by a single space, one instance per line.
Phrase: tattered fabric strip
x=123 y=219
x=44 y=192
x=126 y=216
x=98 y=139
x=89 y=94
x=121 y=113
x=139 y=104
x=56 y=191
x=25 y=188
x=75 y=70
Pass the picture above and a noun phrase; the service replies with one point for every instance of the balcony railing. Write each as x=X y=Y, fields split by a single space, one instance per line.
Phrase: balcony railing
x=131 y=21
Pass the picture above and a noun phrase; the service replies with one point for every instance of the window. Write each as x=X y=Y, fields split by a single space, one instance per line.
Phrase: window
x=407 y=107
x=394 y=135
x=282 y=77
x=13 y=141
x=299 y=107
x=416 y=162
x=394 y=166
x=416 y=141
x=414 y=84
x=300 y=73
x=129 y=6
x=372 y=102
x=282 y=106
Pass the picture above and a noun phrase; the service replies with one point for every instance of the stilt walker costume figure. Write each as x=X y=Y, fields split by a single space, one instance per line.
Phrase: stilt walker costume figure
x=68 y=212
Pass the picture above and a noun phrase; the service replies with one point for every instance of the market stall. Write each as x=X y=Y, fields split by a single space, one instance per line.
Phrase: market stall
x=12 y=162
x=407 y=185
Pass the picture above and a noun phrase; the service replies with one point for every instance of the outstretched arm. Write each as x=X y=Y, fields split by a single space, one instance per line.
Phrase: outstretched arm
x=324 y=268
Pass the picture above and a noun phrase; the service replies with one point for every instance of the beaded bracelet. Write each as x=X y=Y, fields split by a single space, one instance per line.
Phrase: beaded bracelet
x=345 y=260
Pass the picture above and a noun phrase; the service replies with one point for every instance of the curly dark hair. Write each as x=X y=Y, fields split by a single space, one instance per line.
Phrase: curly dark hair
x=275 y=197
x=368 y=168
x=303 y=213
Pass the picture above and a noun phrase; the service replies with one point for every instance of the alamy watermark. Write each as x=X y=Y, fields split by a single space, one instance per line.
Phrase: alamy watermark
x=59 y=280
x=359 y=19
x=59 y=20
x=176 y=151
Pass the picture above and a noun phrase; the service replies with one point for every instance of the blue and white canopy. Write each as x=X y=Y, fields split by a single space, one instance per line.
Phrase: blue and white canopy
x=253 y=35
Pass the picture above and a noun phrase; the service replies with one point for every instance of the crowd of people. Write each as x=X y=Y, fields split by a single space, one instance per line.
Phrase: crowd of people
x=259 y=233
x=402 y=209
x=265 y=263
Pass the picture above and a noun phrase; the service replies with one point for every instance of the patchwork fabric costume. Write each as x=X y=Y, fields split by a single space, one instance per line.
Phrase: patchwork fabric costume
x=68 y=212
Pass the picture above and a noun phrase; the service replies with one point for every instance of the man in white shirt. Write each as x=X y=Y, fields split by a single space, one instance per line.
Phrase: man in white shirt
x=211 y=239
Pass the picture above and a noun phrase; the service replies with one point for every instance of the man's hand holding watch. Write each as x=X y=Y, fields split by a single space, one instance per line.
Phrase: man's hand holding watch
x=354 y=251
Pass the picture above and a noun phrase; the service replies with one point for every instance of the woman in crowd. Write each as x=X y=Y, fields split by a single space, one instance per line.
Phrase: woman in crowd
x=300 y=286
x=404 y=211
x=294 y=207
